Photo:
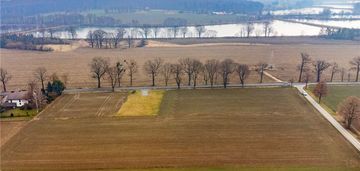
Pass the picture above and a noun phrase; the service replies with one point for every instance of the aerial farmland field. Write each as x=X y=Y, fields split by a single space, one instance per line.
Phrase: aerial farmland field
x=215 y=129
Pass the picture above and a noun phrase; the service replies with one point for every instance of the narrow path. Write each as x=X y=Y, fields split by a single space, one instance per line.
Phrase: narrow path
x=273 y=77
x=332 y=121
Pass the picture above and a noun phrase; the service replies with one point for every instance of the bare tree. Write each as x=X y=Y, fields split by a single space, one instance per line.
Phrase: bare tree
x=41 y=74
x=51 y=32
x=98 y=68
x=152 y=67
x=118 y=36
x=320 y=67
x=156 y=31
x=129 y=41
x=72 y=31
x=111 y=73
x=91 y=39
x=132 y=68
x=146 y=30
x=243 y=72
x=120 y=71
x=197 y=68
x=4 y=78
x=99 y=37
x=356 y=66
x=211 y=68
x=227 y=67
x=303 y=66
x=166 y=72
x=187 y=67
x=260 y=68
x=174 y=30
x=267 y=28
x=307 y=77
x=334 y=69
x=184 y=30
x=350 y=110
x=320 y=90
x=343 y=72
x=177 y=70
x=249 y=29
x=200 y=30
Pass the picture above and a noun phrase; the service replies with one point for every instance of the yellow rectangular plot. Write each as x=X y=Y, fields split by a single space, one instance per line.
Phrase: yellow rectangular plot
x=142 y=103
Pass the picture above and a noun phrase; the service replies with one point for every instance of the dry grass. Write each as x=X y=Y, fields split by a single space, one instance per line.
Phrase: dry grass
x=234 y=128
x=139 y=105
x=284 y=57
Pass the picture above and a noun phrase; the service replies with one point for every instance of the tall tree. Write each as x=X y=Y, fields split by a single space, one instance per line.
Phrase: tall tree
x=120 y=71
x=187 y=67
x=320 y=90
x=211 y=68
x=243 y=72
x=350 y=110
x=249 y=29
x=166 y=72
x=177 y=70
x=41 y=74
x=356 y=66
x=146 y=30
x=152 y=67
x=156 y=31
x=260 y=68
x=343 y=72
x=4 y=78
x=197 y=68
x=91 y=39
x=72 y=31
x=334 y=69
x=303 y=66
x=98 y=67
x=111 y=73
x=184 y=30
x=320 y=67
x=200 y=30
x=227 y=67
x=132 y=68
x=267 y=28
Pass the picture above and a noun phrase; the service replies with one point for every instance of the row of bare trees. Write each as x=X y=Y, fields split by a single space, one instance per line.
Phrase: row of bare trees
x=307 y=66
x=188 y=70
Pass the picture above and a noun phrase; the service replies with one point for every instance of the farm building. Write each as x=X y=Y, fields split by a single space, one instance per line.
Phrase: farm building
x=14 y=99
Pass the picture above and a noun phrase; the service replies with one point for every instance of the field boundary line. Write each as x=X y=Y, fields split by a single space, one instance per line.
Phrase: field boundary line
x=350 y=138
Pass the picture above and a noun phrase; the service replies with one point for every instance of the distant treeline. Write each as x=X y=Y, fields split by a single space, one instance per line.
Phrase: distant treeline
x=18 y=8
x=343 y=33
x=27 y=42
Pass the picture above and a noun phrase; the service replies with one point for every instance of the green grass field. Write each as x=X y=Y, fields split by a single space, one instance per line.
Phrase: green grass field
x=18 y=113
x=336 y=94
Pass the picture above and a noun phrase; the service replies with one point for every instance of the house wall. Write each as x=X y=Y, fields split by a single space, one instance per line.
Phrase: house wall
x=19 y=103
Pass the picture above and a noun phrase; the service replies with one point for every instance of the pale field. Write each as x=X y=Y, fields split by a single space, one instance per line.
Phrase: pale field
x=75 y=63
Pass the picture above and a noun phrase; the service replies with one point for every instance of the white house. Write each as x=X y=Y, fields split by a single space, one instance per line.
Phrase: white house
x=14 y=98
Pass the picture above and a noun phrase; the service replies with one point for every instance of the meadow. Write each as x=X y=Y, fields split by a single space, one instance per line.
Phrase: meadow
x=232 y=129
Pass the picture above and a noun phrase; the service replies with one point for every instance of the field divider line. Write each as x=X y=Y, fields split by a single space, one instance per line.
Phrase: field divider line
x=99 y=112
x=349 y=137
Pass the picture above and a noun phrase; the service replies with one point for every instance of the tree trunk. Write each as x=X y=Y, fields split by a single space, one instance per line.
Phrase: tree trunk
x=348 y=123
x=189 y=83
x=153 y=80
x=99 y=82
x=4 y=86
x=332 y=77
x=242 y=83
x=357 y=73
x=301 y=71
x=42 y=84
x=261 y=76
x=320 y=99
x=131 y=80
x=318 y=76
